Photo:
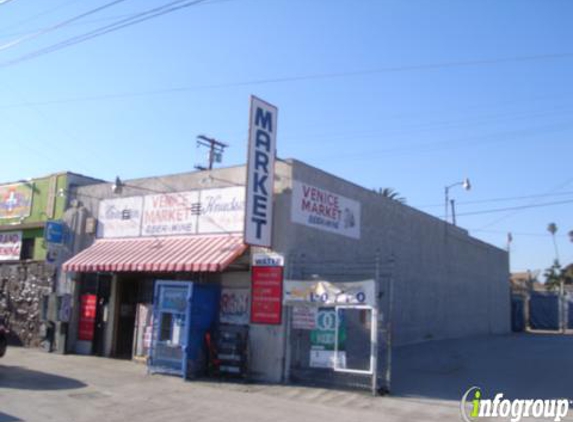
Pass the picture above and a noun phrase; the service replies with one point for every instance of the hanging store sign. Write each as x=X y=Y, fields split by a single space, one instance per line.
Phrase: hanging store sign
x=324 y=210
x=260 y=173
x=207 y=211
x=120 y=217
x=234 y=306
x=16 y=200
x=266 y=292
x=54 y=232
x=322 y=293
x=10 y=246
x=268 y=259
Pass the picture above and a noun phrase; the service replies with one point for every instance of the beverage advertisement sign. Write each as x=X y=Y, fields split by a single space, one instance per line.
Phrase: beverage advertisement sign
x=324 y=210
x=88 y=305
x=207 y=211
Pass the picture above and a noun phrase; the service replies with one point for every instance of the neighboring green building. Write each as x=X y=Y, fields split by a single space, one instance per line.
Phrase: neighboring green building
x=28 y=279
x=26 y=206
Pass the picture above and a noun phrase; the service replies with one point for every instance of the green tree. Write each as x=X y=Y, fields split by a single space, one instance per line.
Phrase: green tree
x=555 y=274
x=390 y=193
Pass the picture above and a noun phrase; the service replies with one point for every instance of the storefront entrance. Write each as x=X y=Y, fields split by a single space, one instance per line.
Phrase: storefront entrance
x=131 y=292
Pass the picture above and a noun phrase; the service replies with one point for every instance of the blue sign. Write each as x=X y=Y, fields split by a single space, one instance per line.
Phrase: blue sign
x=54 y=232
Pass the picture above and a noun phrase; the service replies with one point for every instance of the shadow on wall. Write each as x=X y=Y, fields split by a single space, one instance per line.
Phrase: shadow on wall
x=519 y=366
x=4 y=417
x=17 y=377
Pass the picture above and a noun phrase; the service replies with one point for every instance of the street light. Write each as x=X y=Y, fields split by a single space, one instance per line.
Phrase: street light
x=465 y=184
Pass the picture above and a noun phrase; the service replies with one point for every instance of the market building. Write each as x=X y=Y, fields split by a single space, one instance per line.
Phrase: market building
x=165 y=276
x=32 y=247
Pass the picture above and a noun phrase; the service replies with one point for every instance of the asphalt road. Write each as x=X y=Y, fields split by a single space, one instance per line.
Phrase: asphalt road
x=429 y=380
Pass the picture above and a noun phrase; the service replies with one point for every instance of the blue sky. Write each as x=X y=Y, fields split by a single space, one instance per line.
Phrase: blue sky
x=408 y=94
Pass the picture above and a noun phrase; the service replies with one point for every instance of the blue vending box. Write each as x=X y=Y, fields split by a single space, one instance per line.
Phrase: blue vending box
x=182 y=313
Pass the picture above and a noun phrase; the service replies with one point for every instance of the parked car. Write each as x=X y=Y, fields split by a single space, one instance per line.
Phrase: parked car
x=3 y=338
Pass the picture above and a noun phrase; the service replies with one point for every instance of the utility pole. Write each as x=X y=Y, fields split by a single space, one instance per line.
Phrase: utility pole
x=216 y=149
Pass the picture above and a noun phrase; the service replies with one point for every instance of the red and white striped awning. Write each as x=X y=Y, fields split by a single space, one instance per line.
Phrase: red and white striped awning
x=159 y=254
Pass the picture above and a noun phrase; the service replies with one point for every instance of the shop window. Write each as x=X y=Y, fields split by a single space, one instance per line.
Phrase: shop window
x=27 y=251
x=166 y=324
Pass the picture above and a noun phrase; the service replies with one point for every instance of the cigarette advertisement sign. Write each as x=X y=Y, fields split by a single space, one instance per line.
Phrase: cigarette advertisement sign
x=260 y=173
x=178 y=213
x=15 y=200
x=324 y=210
x=234 y=306
x=10 y=246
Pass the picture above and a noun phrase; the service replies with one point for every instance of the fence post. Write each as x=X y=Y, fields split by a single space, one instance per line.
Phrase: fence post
x=374 y=352
x=389 y=325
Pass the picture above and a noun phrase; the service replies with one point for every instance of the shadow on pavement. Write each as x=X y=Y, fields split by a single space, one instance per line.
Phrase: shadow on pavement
x=519 y=366
x=26 y=379
x=4 y=417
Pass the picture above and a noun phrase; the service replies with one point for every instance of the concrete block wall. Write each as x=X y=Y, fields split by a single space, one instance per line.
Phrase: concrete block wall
x=446 y=283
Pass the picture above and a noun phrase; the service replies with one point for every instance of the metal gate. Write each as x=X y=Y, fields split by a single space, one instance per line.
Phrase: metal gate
x=343 y=344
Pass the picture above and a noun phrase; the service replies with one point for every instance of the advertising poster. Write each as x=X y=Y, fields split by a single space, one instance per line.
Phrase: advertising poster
x=170 y=213
x=120 y=217
x=222 y=210
x=324 y=210
x=234 y=306
x=330 y=293
x=15 y=200
x=10 y=246
x=322 y=340
x=304 y=317
x=88 y=305
x=267 y=290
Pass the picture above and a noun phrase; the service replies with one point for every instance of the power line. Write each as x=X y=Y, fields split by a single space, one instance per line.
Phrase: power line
x=522 y=207
x=503 y=199
x=515 y=233
x=504 y=217
x=122 y=23
x=38 y=15
x=57 y=26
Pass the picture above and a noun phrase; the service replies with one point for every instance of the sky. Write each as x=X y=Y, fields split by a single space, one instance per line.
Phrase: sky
x=414 y=95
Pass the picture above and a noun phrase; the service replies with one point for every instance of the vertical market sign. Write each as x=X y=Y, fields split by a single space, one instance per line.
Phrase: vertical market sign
x=10 y=246
x=324 y=210
x=15 y=200
x=260 y=173
x=267 y=289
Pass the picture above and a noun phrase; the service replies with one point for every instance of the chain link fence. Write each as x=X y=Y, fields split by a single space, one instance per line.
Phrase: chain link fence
x=336 y=349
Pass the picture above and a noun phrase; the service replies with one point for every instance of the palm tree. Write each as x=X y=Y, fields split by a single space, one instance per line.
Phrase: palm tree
x=552 y=228
x=390 y=193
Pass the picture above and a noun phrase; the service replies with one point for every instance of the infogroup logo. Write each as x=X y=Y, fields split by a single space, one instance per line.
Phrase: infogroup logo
x=512 y=410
